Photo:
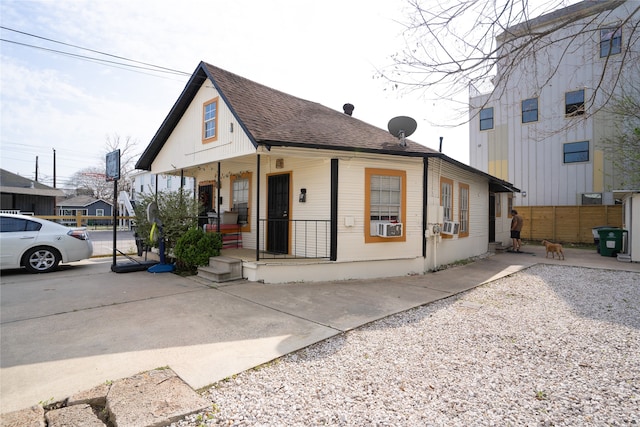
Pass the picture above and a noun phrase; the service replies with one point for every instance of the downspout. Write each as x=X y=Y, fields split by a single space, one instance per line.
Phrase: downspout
x=334 y=211
x=258 y=208
x=425 y=198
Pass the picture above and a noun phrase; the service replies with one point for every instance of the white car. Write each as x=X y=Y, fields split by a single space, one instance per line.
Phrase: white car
x=40 y=245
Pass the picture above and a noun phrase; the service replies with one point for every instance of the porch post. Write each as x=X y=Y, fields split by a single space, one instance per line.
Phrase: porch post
x=258 y=207
x=218 y=186
x=334 y=210
x=181 y=185
x=425 y=195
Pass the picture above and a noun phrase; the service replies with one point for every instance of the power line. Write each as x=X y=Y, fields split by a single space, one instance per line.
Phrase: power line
x=89 y=58
x=146 y=64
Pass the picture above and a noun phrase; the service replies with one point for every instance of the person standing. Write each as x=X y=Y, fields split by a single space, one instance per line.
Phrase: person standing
x=516 y=226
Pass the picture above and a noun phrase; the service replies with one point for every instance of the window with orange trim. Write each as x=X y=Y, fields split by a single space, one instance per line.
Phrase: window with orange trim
x=446 y=198
x=210 y=120
x=385 y=201
x=463 y=209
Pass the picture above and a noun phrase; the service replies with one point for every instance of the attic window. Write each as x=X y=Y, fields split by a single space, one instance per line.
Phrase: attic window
x=210 y=120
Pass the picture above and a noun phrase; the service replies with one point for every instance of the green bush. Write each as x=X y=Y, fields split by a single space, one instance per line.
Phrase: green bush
x=195 y=247
x=178 y=211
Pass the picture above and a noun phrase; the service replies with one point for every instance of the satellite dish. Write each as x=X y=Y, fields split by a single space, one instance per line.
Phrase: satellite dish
x=153 y=215
x=402 y=126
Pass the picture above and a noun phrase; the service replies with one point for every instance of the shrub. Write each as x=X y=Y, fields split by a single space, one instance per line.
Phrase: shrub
x=195 y=247
x=178 y=211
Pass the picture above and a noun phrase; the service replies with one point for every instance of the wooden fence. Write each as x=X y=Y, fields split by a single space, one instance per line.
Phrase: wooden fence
x=81 y=220
x=567 y=224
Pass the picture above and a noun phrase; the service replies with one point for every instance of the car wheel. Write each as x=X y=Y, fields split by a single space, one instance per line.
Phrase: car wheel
x=41 y=260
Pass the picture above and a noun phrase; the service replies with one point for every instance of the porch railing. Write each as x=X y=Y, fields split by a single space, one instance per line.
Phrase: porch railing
x=295 y=238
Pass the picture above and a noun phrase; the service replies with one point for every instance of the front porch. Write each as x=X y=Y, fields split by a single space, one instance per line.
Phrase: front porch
x=292 y=269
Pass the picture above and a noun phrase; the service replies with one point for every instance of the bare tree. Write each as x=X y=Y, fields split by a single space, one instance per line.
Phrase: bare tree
x=128 y=157
x=453 y=46
x=91 y=181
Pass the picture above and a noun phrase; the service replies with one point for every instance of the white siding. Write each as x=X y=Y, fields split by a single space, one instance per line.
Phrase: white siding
x=351 y=243
x=441 y=251
x=184 y=147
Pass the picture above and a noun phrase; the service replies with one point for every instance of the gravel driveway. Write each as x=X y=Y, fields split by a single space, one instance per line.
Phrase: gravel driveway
x=551 y=345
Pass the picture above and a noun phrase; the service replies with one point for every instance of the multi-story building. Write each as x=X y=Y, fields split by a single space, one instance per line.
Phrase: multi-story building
x=545 y=125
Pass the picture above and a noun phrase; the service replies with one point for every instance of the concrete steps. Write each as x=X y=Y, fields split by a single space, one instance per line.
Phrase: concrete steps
x=624 y=257
x=221 y=269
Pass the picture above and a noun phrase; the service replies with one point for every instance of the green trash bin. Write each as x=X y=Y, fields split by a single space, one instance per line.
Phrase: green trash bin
x=611 y=241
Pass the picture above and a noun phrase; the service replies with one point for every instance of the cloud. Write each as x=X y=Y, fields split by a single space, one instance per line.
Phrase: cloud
x=326 y=52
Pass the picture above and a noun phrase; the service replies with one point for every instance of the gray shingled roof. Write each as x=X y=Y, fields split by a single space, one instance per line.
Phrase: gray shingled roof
x=16 y=184
x=275 y=118
x=80 y=201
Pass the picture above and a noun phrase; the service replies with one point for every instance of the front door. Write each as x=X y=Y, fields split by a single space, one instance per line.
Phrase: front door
x=278 y=214
x=205 y=196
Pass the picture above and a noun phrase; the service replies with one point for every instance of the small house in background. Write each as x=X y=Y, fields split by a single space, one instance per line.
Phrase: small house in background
x=86 y=206
x=26 y=196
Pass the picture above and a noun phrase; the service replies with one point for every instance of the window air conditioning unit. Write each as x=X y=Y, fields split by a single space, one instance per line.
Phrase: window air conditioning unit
x=390 y=229
x=451 y=227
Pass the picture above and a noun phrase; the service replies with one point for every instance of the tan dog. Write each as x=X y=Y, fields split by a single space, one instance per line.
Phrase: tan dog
x=554 y=248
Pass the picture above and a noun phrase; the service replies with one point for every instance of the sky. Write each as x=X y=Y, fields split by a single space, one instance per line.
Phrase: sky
x=327 y=52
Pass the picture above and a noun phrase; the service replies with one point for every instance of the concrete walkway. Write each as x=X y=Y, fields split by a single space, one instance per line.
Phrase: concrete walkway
x=56 y=344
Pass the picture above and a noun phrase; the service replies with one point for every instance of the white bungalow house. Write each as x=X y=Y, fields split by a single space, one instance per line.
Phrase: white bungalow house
x=318 y=194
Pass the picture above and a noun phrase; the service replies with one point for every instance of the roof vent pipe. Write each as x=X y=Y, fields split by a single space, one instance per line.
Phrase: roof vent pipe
x=348 y=109
x=441 y=138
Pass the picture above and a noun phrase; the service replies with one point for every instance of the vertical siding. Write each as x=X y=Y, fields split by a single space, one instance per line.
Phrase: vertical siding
x=184 y=148
x=535 y=150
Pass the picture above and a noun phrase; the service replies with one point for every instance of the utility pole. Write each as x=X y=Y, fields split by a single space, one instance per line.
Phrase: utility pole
x=36 y=168
x=54 y=168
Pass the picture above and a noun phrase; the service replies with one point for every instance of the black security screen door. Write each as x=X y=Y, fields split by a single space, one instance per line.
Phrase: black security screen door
x=278 y=214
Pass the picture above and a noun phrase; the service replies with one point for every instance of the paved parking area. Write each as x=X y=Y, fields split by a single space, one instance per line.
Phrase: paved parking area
x=68 y=331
